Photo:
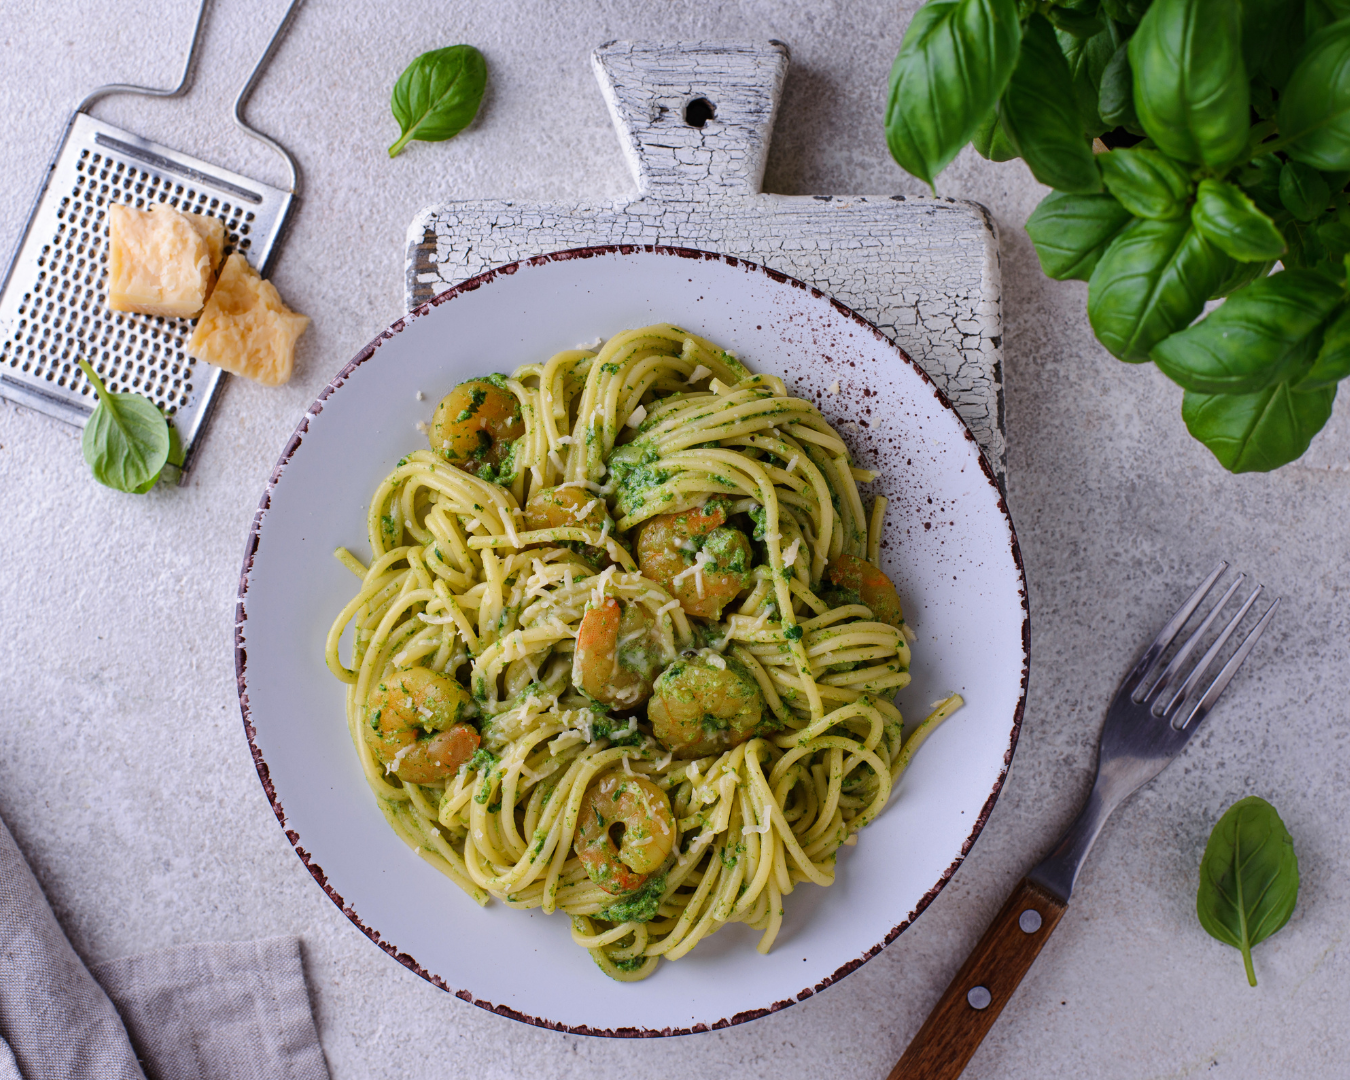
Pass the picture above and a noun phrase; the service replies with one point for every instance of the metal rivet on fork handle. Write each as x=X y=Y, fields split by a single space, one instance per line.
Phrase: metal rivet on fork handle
x=979 y=997
x=1029 y=921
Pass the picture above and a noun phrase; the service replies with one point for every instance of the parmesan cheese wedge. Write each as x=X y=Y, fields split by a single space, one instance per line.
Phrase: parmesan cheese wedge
x=245 y=328
x=158 y=263
x=212 y=230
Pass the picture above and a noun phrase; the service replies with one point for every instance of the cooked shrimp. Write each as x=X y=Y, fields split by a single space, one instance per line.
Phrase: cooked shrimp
x=617 y=654
x=702 y=562
x=475 y=427
x=415 y=725
x=855 y=577
x=625 y=831
x=565 y=508
x=704 y=703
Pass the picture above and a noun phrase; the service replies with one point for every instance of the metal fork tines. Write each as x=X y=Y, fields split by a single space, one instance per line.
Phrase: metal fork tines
x=1155 y=712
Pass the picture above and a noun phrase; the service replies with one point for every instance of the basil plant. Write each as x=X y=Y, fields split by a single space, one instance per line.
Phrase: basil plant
x=1227 y=124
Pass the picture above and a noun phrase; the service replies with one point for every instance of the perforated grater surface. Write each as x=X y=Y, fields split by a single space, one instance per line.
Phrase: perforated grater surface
x=53 y=306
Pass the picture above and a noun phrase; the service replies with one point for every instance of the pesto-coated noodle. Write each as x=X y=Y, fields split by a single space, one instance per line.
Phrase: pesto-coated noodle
x=623 y=648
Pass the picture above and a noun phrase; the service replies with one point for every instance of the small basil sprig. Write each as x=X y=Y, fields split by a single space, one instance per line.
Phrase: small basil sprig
x=438 y=96
x=1248 y=878
x=126 y=440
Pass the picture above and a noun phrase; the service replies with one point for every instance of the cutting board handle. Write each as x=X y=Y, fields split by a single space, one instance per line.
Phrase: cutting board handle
x=678 y=147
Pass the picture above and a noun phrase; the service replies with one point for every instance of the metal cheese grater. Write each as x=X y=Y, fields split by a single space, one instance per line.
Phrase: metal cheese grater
x=53 y=302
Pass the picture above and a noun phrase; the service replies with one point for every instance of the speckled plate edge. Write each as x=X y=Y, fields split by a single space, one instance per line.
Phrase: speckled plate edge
x=241 y=656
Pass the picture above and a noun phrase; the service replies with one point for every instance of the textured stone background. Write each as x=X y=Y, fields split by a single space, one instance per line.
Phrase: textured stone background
x=124 y=772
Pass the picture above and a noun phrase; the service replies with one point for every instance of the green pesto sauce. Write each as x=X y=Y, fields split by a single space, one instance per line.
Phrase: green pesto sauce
x=640 y=906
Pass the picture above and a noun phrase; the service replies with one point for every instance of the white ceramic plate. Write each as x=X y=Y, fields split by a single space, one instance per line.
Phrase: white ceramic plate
x=949 y=547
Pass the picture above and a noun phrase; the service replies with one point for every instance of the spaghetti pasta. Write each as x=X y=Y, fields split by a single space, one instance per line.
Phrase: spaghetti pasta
x=623 y=649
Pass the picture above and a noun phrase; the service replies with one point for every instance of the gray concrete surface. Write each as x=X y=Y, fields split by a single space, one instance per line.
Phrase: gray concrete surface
x=124 y=773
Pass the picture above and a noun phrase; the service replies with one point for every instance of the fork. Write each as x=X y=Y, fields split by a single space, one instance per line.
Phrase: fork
x=1152 y=716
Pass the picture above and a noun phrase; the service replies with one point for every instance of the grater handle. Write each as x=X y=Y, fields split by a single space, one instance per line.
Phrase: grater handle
x=146 y=91
x=243 y=97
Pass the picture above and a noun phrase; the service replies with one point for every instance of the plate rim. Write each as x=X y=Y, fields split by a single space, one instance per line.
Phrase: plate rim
x=241 y=653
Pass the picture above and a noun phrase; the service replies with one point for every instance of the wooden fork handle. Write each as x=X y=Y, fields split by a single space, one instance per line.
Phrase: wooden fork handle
x=986 y=982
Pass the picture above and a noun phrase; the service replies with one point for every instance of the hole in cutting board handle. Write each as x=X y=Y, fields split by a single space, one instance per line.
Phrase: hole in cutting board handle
x=699 y=111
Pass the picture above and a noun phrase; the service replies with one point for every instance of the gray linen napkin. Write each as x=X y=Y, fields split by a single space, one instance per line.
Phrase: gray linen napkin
x=56 y=1021
x=233 y=1011
x=218 y=1012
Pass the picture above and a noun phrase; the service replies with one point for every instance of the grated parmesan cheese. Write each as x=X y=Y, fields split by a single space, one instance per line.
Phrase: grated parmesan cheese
x=698 y=374
x=568 y=738
x=637 y=416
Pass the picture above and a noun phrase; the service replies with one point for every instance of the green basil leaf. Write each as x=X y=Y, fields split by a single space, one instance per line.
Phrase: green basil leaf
x=1333 y=359
x=1080 y=24
x=1263 y=98
x=954 y=61
x=438 y=95
x=1087 y=59
x=1231 y=221
x=1038 y=113
x=1286 y=41
x=1260 y=30
x=1072 y=231
x=1115 y=98
x=1128 y=12
x=991 y=142
x=1257 y=432
x=1240 y=275
x=1318 y=14
x=1314 y=113
x=1148 y=183
x=1305 y=246
x=1248 y=878
x=1303 y=191
x=1260 y=178
x=1335 y=237
x=1258 y=337
x=1152 y=281
x=1190 y=88
x=126 y=440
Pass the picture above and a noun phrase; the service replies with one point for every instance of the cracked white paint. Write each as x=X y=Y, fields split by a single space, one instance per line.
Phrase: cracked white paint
x=648 y=87
x=924 y=270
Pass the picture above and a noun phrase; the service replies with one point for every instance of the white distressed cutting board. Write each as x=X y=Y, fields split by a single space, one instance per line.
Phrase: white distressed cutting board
x=924 y=270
